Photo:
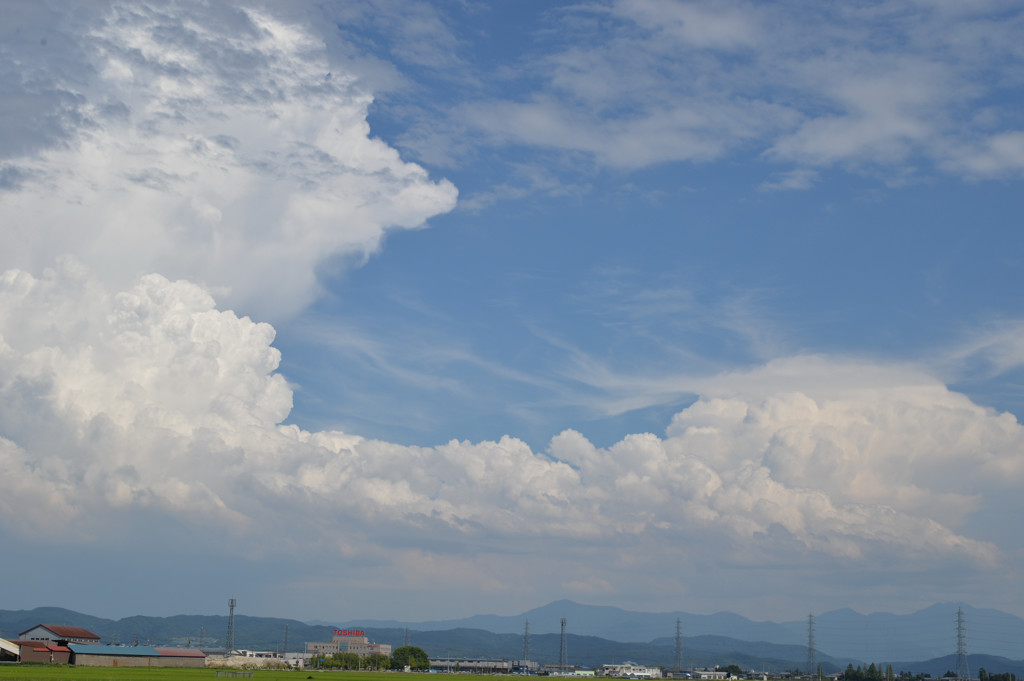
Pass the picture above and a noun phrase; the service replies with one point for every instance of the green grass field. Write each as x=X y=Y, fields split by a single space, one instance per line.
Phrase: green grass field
x=71 y=673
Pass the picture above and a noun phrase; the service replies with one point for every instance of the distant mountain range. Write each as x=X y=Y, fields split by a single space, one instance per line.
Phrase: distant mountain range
x=923 y=641
x=925 y=634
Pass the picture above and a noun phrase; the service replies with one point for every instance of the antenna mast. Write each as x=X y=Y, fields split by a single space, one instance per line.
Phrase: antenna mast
x=230 y=644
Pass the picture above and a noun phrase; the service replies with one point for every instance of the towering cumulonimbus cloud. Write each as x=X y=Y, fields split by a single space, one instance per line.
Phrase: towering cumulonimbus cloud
x=152 y=398
x=179 y=171
x=217 y=145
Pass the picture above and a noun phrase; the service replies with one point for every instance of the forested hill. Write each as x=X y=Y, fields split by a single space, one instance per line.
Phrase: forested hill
x=268 y=633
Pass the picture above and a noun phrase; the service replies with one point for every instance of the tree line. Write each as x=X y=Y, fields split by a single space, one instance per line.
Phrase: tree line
x=875 y=672
x=985 y=676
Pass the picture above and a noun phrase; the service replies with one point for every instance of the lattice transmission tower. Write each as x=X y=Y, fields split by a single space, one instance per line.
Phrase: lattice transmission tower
x=679 y=647
x=563 y=659
x=962 y=670
x=811 y=662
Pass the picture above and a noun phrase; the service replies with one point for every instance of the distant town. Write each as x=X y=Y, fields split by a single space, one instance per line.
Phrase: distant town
x=347 y=649
x=460 y=650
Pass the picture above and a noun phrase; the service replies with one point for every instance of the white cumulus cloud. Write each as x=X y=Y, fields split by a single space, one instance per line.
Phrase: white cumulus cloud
x=152 y=399
x=216 y=144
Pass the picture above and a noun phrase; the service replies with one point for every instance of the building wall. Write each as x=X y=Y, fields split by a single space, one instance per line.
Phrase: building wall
x=360 y=645
x=41 y=633
x=117 y=661
x=322 y=648
x=630 y=669
x=164 y=661
x=476 y=665
x=362 y=648
x=28 y=654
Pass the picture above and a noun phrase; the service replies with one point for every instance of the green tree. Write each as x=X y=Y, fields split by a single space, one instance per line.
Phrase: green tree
x=375 y=661
x=415 y=658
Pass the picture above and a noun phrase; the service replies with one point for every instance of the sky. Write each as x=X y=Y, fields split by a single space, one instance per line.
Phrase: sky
x=420 y=310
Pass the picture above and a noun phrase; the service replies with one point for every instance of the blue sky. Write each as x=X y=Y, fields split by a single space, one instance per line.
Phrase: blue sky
x=475 y=306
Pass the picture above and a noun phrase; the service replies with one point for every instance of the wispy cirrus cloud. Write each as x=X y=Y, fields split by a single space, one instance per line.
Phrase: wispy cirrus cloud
x=636 y=83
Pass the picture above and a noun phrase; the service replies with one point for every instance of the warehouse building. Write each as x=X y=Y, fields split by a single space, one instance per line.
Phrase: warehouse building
x=482 y=666
x=135 y=656
x=49 y=643
x=57 y=635
x=631 y=670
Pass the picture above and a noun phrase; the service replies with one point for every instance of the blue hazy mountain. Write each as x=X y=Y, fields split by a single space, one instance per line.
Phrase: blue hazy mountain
x=926 y=638
x=844 y=633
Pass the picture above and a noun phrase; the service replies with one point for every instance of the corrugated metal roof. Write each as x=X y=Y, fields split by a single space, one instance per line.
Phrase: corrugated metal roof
x=180 y=652
x=10 y=646
x=65 y=632
x=132 y=651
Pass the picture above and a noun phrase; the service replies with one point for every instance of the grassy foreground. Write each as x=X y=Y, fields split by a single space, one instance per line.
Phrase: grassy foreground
x=72 y=673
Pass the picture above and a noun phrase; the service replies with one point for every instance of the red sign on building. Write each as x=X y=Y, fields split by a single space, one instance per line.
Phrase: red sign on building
x=349 y=632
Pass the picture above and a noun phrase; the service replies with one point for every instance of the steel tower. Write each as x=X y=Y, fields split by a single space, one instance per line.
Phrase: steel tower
x=812 y=667
x=962 y=670
x=563 y=663
x=679 y=647
x=230 y=643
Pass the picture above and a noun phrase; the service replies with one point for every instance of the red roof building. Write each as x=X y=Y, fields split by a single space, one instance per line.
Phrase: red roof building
x=56 y=634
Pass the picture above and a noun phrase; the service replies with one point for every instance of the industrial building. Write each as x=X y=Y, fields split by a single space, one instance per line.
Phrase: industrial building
x=348 y=641
x=55 y=634
x=630 y=670
x=50 y=643
x=59 y=644
x=470 y=664
x=135 y=656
